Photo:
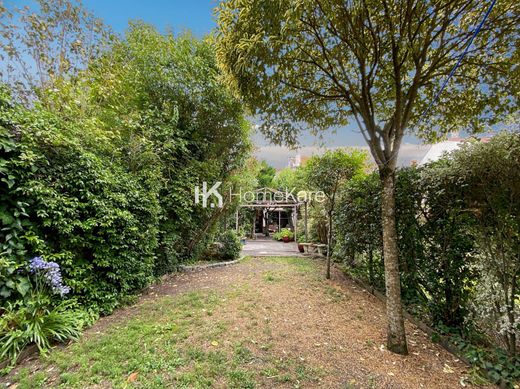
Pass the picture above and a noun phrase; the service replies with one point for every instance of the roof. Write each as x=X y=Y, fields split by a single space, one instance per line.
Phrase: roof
x=437 y=150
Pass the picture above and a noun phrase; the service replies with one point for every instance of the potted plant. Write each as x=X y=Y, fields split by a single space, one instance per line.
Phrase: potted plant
x=286 y=235
x=301 y=247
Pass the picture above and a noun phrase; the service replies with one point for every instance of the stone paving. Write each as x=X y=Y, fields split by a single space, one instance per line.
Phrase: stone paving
x=267 y=247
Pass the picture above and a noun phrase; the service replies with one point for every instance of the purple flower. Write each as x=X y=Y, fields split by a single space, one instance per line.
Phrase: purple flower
x=50 y=272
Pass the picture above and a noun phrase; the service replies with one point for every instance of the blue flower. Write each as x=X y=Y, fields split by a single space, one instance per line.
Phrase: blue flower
x=50 y=272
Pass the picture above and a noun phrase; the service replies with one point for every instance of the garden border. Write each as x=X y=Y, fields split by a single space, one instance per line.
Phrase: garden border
x=188 y=269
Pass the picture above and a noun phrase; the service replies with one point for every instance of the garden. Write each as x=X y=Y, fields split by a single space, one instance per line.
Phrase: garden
x=106 y=139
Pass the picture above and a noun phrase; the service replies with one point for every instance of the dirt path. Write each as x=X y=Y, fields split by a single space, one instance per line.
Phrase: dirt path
x=265 y=322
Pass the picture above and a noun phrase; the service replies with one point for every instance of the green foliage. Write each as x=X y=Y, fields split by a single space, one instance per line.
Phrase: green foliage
x=13 y=217
x=13 y=284
x=443 y=263
x=319 y=65
x=490 y=177
x=98 y=176
x=286 y=233
x=266 y=175
x=231 y=245
x=494 y=365
x=434 y=240
x=283 y=233
x=39 y=315
x=340 y=62
x=358 y=225
x=85 y=211
x=37 y=321
x=290 y=178
x=329 y=171
x=458 y=240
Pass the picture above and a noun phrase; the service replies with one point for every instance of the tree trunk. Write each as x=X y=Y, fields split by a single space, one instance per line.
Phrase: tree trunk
x=329 y=241
x=371 y=266
x=511 y=316
x=396 y=341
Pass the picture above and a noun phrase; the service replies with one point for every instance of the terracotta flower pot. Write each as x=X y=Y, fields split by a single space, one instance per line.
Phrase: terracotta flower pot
x=286 y=239
x=301 y=248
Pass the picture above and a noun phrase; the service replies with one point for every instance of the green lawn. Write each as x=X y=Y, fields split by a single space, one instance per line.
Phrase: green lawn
x=175 y=341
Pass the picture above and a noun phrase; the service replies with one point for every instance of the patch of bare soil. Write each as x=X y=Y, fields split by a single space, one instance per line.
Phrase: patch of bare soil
x=332 y=326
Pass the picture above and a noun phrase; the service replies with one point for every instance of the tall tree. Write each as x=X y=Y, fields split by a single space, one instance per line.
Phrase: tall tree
x=378 y=63
x=50 y=40
x=327 y=173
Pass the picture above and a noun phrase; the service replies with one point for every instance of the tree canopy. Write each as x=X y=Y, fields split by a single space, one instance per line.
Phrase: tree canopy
x=376 y=63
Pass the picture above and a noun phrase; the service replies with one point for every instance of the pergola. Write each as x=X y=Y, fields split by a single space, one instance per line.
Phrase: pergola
x=272 y=200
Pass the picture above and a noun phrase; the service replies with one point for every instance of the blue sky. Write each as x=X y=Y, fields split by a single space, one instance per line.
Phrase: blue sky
x=178 y=15
x=198 y=17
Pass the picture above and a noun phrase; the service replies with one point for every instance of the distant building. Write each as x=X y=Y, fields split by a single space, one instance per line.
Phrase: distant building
x=295 y=161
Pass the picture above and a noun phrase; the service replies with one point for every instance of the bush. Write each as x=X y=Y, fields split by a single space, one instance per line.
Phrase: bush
x=231 y=245
x=13 y=284
x=434 y=241
x=84 y=211
x=286 y=233
x=105 y=188
x=36 y=321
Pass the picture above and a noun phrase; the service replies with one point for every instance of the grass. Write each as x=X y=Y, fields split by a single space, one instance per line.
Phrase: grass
x=334 y=294
x=302 y=265
x=181 y=341
x=146 y=344
x=271 y=276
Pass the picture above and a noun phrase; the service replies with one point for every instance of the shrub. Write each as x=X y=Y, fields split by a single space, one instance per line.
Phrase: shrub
x=434 y=241
x=36 y=319
x=13 y=284
x=490 y=178
x=105 y=188
x=231 y=246
x=459 y=239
